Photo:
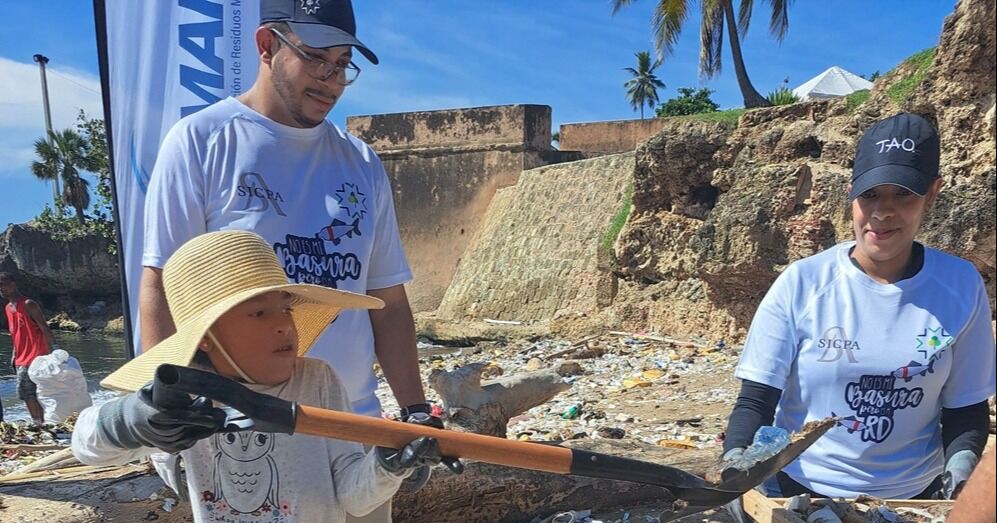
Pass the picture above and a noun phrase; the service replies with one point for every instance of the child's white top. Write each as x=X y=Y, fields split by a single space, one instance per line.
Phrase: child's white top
x=250 y=477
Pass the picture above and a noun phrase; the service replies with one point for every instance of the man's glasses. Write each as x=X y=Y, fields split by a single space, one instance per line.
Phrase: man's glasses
x=320 y=69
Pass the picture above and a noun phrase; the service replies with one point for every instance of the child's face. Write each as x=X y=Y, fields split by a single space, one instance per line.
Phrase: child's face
x=260 y=336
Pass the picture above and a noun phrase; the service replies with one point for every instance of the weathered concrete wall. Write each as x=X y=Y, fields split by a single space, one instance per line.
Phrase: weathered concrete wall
x=444 y=167
x=609 y=137
x=536 y=254
x=527 y=125
x=718 y=213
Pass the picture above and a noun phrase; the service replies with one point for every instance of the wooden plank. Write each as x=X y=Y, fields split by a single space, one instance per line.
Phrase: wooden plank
x=767 y=510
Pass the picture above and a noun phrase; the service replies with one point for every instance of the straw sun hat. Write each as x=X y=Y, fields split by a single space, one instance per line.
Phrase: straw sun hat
x=214 y=272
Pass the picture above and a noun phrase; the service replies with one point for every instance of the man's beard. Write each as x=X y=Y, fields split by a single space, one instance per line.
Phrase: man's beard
x=285 y=90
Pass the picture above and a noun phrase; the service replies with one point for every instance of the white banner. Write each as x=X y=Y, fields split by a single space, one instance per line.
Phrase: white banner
x=166 y=59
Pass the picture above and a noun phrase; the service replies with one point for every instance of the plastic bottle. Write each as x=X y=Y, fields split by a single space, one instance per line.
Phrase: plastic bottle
x=768 y=442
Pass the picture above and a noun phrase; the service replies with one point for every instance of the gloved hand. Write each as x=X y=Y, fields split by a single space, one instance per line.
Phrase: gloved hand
x=132 y=421
x=423 y=451
x=957 y=471
x=421 y=414
x=730 y=457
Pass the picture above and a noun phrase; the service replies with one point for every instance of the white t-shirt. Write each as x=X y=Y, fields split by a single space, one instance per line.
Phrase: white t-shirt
x=256 y=477
x=320 y=196
x=885 y=357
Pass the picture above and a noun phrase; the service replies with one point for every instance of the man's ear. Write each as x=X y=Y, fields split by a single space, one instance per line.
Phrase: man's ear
x=266 y=44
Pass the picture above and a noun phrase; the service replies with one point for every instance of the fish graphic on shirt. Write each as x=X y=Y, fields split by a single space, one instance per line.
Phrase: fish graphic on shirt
x=851 y=423
x=338 y=229
x=907 y=372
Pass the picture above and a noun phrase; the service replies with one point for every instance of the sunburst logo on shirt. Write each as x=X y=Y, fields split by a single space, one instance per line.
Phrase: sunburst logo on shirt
x=352 y=201
x=930 y=341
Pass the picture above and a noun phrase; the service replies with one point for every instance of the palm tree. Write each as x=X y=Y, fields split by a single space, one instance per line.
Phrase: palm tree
x=642 y=89
x=670 y=15
x=61 y=157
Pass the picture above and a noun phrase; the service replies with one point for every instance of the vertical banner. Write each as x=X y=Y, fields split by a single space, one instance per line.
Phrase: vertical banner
x=163 y=60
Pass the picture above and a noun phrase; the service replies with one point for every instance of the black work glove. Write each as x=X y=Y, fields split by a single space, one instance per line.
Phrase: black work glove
x=420 y=414
x=132 y=421
x=423 y=451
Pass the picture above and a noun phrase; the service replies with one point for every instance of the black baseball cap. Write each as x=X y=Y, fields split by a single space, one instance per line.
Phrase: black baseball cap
x=901 y=150
x=319 y=23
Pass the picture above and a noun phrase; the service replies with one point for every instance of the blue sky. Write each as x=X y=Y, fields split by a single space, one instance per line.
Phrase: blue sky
x=444 y=54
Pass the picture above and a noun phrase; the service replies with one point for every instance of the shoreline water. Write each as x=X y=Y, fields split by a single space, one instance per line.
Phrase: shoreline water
x=99 y=352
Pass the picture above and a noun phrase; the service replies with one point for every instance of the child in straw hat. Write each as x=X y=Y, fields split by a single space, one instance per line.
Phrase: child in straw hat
x=237 y=315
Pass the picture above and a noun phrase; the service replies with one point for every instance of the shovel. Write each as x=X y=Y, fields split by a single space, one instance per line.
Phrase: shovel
x=249 y=410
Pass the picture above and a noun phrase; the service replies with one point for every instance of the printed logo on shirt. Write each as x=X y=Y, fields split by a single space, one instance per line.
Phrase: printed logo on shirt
x=352 y=201
x=930 y=341
x=259 y=197
x=306 y=260
x=876 y=398
x=246 y=480
x=836 y=344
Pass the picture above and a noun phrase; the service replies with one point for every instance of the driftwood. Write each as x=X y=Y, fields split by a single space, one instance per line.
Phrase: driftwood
x=484 y=407
x=493 y=493
x=61 y=459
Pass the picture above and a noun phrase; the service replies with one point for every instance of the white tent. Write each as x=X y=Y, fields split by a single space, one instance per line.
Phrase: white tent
x=831 y=83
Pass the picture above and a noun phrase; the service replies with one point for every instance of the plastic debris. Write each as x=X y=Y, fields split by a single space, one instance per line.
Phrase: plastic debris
x=824 y=515
x=768 y=442
x=799 y=503
x=573 y=412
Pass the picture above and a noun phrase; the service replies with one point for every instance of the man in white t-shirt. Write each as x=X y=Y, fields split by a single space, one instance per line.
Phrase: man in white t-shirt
x=269 y=162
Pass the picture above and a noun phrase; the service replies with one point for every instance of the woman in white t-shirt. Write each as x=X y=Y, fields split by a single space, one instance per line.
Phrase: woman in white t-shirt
x=891 y=337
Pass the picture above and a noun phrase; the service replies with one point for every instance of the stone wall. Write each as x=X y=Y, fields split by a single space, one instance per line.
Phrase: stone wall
x=536 y=255
x=718 y=213
x=47 y=269
x=444 y=167
x=609 y=137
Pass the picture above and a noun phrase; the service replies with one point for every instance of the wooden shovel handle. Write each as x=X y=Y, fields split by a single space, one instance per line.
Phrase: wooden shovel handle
x=393 y=434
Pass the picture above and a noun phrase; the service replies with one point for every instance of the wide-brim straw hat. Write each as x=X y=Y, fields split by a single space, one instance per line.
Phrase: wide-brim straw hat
x=214 y=272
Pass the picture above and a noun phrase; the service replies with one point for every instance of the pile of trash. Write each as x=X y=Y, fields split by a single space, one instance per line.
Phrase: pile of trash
x=864 y=508
x=22 y=443
x=618 y=380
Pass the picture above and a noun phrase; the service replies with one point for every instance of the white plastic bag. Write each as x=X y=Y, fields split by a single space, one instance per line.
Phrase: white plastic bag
x=62 y=389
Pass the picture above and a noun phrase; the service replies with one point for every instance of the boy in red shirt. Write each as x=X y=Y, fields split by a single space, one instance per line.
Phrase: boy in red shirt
x=31 y=338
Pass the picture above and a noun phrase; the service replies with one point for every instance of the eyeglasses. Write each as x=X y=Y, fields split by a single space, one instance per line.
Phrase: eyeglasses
x=320 y=69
